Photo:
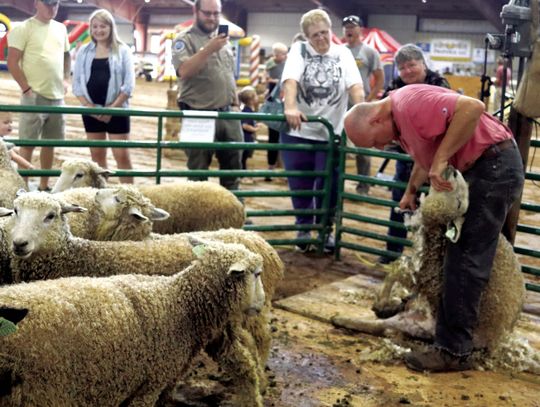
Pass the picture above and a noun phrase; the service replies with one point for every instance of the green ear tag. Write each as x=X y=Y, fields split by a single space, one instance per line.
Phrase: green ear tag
x=7 y=327
x=199 y=250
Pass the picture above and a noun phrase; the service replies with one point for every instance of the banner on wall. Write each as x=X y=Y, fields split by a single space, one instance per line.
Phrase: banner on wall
x=479 y=54
x=448 y=49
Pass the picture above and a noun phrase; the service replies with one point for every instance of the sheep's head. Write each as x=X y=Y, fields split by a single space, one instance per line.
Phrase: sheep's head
x=38 y=223
x=447 y=207
x=78 y=173
x=127 y=206
x=239 y=263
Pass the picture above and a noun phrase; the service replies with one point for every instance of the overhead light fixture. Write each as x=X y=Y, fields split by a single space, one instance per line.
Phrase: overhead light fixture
x=79 y=1
x=147 y=1
x=424 y=1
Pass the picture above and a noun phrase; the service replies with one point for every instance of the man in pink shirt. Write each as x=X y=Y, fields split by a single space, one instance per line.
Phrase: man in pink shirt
x=439 y=127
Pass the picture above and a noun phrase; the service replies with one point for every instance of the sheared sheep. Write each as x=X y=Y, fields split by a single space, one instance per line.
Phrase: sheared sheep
x=120 y=340
x=420 y=277
x=192 y=205
x=11 y=180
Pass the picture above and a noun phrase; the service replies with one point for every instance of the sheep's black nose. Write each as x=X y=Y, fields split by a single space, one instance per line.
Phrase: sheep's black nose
x=19 y=244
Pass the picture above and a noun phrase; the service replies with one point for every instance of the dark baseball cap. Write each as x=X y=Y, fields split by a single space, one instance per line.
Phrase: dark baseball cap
x=51 y=2
x=354 y=20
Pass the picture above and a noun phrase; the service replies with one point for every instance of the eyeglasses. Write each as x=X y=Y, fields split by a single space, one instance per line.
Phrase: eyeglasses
x=352 y=20
x=323 y=33
x=209 y=14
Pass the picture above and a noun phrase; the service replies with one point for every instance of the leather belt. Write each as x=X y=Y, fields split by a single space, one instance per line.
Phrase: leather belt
x=493 y=150
x=185 y=106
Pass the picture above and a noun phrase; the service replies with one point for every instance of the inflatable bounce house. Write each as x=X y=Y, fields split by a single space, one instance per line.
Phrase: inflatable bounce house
x=78 y=34
x=5 y=26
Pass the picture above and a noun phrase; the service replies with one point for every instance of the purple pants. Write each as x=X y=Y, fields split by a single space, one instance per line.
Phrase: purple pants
x=298 y=160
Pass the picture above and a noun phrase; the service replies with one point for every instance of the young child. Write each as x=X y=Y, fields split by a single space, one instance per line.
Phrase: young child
x=248 y=96
x=6 y=128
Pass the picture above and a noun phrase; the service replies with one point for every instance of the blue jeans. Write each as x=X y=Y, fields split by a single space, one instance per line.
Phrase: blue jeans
x=494 y=184
x=298 y=160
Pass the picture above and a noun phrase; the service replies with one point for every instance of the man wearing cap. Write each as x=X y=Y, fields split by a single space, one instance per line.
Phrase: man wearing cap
x=39 y=61
x=205 y=67
x=368 y=62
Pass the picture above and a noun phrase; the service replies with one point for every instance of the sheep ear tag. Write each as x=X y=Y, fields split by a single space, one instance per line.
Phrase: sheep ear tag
x=9 y=318
x=7 y=327
x=199 y=250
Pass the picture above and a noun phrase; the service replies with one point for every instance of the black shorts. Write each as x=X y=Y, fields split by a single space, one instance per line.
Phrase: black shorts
x=117 y=125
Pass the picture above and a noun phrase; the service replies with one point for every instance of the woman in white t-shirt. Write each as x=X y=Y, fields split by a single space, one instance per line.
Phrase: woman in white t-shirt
x=318 y=79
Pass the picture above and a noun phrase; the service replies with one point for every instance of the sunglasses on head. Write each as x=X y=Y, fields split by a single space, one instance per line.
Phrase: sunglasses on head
x=352 y=20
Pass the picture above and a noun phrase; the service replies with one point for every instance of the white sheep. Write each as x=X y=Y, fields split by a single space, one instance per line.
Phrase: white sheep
x=120 y=340
x=12 y=182
x=89 y=224
x=44 y=248
x=125 y=214
x=192 y=205
x=419 y=276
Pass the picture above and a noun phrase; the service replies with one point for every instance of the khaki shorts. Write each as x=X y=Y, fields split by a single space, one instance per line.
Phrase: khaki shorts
x=33 y=126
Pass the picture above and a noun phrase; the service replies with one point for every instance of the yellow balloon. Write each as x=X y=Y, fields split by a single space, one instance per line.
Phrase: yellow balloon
x=245 y=42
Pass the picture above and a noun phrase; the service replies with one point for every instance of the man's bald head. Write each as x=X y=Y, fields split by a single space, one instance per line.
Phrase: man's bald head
x=357 y=124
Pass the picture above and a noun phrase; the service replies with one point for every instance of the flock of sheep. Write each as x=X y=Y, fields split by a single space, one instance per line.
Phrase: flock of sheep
x=107 y=294
x=97 y=309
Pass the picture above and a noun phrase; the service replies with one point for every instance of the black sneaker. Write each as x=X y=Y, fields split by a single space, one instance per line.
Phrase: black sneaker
x=384 y=260
x=437 y=360
x=304 y=247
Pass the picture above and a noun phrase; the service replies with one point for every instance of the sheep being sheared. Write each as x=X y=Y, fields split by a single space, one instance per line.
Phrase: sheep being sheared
x=419 y=276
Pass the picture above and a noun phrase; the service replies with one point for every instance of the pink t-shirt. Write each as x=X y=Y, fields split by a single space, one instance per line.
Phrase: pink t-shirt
x=422 y=114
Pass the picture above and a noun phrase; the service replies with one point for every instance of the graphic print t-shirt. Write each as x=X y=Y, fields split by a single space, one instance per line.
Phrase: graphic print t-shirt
x=323 y=81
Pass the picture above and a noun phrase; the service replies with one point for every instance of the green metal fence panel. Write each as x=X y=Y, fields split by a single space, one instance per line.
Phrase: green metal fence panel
x=337 y=150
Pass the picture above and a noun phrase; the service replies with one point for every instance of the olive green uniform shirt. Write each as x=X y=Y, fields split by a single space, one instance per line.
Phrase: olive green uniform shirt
x=214 y=86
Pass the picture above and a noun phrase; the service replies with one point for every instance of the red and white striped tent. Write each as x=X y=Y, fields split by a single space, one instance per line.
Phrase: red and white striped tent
x=382 y=42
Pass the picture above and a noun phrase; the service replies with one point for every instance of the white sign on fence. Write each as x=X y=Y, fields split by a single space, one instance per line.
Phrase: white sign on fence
x=197 y=130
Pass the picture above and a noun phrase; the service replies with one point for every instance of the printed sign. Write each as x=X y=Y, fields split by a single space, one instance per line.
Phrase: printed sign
x=197 y=130
x=451 y=50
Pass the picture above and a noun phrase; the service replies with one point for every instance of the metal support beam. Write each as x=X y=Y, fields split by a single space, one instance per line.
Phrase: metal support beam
x=126 y=9
x=26 y=6
x=490 y=12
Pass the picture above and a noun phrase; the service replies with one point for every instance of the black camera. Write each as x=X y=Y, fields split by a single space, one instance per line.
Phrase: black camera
x=516 y=41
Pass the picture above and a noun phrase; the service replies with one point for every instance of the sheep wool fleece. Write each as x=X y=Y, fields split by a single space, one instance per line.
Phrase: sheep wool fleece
x=119 y=340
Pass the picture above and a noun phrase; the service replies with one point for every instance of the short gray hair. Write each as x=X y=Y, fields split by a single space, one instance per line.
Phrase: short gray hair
x=409 y=52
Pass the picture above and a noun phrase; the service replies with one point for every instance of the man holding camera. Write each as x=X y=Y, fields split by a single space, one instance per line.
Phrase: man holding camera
x=204 y=63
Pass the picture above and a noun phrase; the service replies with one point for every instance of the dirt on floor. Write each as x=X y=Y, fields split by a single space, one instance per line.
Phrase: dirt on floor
x=312 y=363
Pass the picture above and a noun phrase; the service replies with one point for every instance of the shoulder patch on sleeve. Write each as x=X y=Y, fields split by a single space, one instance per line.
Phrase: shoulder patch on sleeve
x=179 y=45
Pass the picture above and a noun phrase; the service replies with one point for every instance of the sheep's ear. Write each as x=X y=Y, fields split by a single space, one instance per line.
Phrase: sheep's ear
x=104 y=172
x=9 y=318
x=20 y=192
x=137 y=214
x=159 y=214
x=453 y=229
x=66 y=208
x=237 y=269
x=449 y=172
x=5 y=212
